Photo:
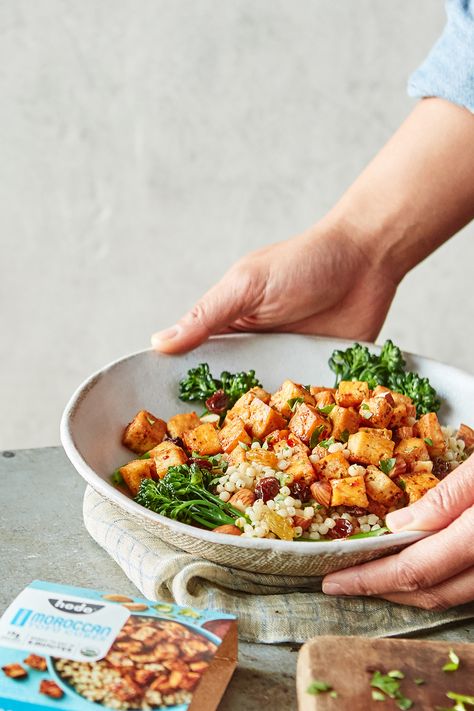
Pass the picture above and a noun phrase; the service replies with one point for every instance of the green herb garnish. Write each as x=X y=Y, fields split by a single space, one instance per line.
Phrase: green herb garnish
x=453 y=664
x=315 y=437
x=326 y=409
x=199 y=384
x=369 y=534
x=386 y=368
x=117 y=478
x=386 y=465
x=429 y=441
x=344 y=436
x=294 y=401
x=418 y=681
x=378 y=696
x=318 y=687
x=461 y=698
x=326 y=443
x=396 y=674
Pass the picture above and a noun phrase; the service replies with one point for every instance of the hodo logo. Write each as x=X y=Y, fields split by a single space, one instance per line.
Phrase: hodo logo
x=74 y=607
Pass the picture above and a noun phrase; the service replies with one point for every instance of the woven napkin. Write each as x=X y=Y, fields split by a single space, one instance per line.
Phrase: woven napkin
x=270 y=608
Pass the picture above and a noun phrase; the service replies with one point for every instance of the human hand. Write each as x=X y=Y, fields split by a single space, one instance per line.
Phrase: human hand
x=321 y=282
x=435 y=573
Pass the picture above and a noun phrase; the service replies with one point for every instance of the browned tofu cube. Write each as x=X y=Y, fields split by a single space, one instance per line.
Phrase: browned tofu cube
x=416 y=485
x=308 y=421
x=345 y=421
x=36 y=662
x=381 y=432
x=242 y=406
x=398 y=398
x=324 y=398
x=376 y=412
x=369 y=448
x=236 y=457
x=301 y=469
x=289 y=391
x=48 y=687
x=428 y=428
x=381 y=488
x=350 y=393
x=232 y=433
x=405 y=432
x=332 y=466
x=264 y=419
x=203 y=440
x=412 y=449
x=167 y=454
x=134 y=472
x=265 y=457
x=144 y=432
x=349 y=491
x=179 y=424
x=399 y=416
x=14 y=671
x=316 y=389
x=291 y=441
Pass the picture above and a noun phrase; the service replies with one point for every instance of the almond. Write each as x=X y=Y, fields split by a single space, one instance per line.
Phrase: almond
x=302 y=522
x=117 y=598
x=231 y=530
x=321 y=492
x=242 y=499
x=399 y=468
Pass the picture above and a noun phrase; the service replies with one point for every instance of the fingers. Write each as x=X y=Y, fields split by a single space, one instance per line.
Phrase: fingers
x=440 y=505
x=456 y=591
x=419 y=567
x=228 y=300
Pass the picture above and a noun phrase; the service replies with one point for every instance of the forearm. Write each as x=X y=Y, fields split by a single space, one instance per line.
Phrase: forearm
x=416 y=193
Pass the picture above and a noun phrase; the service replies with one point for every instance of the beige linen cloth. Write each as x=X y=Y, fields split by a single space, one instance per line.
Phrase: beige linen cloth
x=270 y=608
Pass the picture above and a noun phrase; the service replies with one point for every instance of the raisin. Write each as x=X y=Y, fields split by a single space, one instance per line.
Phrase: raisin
x=175 y=440
x=267 y=488
x=201 y=463
x=342 y=529
x=356 y=511
x=441 y=467
x=218 y=403
x=300 y=490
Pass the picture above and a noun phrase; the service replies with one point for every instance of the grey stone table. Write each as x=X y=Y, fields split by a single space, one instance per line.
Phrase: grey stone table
x=42 y=536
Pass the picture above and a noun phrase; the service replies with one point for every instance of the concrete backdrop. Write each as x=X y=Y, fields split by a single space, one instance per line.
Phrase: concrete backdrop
x=146 y=144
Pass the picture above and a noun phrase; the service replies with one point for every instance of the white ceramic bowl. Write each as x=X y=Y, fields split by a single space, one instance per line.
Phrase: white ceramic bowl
x=94 y=419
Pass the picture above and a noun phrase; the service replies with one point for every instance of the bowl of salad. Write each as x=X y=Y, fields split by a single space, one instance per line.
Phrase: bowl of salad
x=272 y=453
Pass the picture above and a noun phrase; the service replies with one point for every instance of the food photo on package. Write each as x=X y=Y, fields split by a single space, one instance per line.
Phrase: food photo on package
x=63 y=647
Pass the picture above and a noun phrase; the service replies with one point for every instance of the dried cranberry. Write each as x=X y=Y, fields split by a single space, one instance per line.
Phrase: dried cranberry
x=202 y=463
x=356 y=511
x=267 y=488
x=441 y=467
x=342 y=529
x=300 y=490
x=218 y=403
x=175 y=440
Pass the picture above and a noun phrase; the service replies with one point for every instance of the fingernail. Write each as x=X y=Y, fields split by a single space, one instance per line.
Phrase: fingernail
x=400 y=520
x=333 y=589
x=166 y=335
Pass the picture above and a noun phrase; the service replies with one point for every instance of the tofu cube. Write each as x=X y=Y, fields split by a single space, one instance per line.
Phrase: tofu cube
x=301 y=469
x=14 y=671
x=332 y=466
x=350 y=393
x=349 y=491
x=165 y=455
x=134 y=472
x=203 y=440
x=416 y=485
x=143 y=432
x=369 y=448
x=324 y=398
x=382 y=432
x=264 y=457
x=232 y=433
x=399 y=416
x=345 y=421
x=381 y=488
x=264 y=419
x=376 y=412
x=242 y=406
x=412 y=449
x=306 y=421
x=236 y=457
x=289 y=391
x=428 y=427
x=316 y=389
x=179 y=424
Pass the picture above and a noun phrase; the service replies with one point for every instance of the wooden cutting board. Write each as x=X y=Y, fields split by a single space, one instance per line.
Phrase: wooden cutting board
x=347 y=664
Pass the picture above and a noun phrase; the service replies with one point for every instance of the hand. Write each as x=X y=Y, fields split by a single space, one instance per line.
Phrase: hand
x=435 y=573
x=321 y=282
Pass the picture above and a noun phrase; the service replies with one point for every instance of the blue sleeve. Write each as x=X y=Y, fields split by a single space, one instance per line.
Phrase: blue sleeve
x=448 y=70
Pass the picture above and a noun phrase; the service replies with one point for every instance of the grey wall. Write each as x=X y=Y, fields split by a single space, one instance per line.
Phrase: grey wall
x=146 y=145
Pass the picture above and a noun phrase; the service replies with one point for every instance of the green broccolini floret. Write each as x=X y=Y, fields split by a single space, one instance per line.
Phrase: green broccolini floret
x=199 y=384
x=183 y=495
x=386 y=368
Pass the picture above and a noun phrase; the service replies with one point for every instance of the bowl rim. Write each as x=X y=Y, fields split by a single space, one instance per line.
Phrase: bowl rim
x=116 y=497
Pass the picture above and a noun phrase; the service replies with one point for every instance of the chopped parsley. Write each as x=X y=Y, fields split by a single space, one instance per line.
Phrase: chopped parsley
x=344 y=436
x=294 y=401
x=386 y=465
x=315 y=437
x=326 y=443
x=429 y=441
x=117 y=478
x=326 y=409
x=389 y=684
x=319 y=687
x=453 y=664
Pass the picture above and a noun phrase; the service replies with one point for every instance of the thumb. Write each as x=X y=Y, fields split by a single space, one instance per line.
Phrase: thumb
x=440 y=505
x=213 y=313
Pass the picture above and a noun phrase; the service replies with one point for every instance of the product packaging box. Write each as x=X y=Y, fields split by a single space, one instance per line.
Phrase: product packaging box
x=76 y=649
